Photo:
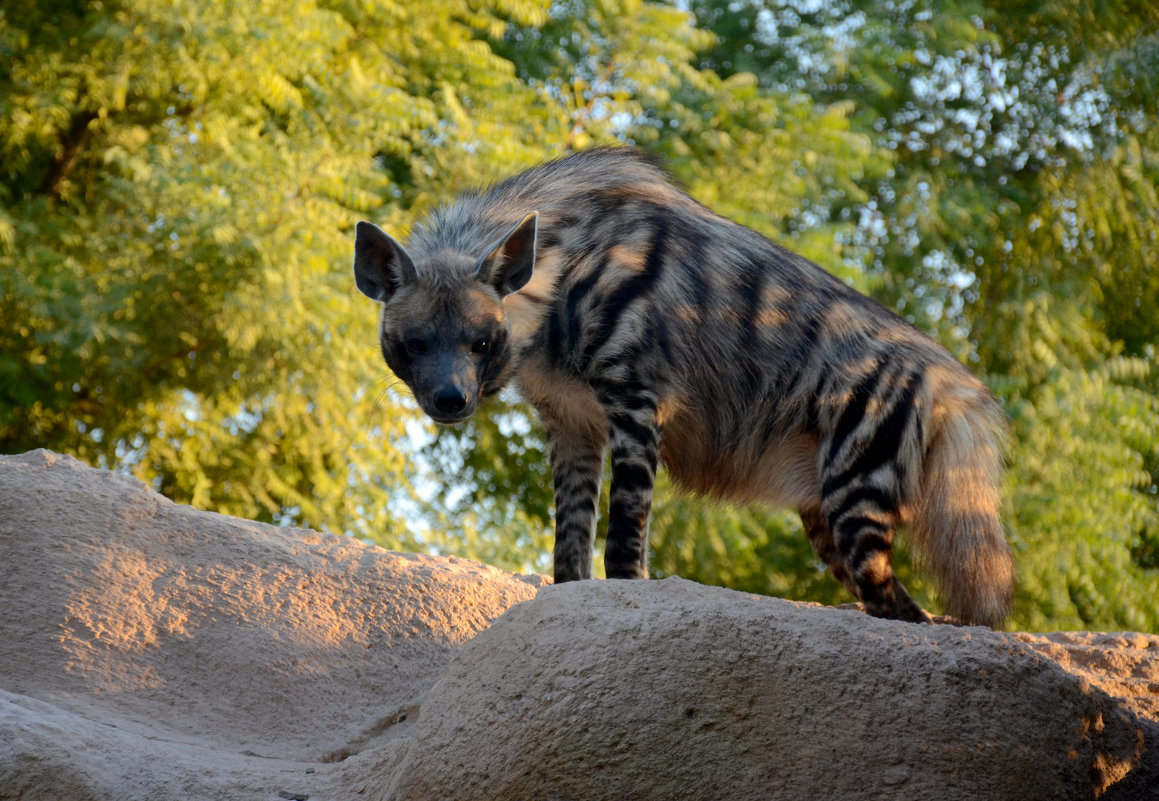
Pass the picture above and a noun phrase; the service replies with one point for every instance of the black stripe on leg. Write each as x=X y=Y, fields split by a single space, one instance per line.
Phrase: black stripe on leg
x=632 y=476
x=849 y=532
x=640 y=432
x=883 y=447
x=880 y=499
x=869 y=542
x=854 y=411
x=625 y=553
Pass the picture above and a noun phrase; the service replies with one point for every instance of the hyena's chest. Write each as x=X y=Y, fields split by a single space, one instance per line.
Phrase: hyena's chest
x=566 y=404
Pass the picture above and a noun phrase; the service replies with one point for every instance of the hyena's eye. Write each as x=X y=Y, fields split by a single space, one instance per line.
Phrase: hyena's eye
x=480 y=345
x=416 y=347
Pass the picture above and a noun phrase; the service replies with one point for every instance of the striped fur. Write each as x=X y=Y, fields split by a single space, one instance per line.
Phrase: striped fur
x=638 y=322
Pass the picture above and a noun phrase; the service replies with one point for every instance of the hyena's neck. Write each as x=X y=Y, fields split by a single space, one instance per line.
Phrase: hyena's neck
x=527 y=309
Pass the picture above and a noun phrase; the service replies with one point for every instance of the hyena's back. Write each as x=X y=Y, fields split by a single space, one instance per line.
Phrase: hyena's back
x=833 y=407
x=771 y=380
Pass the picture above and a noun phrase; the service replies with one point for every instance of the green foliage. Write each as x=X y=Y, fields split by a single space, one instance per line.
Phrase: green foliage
x=180 y=180
x=491 y=488
x=1083 y=502
x=755 y=549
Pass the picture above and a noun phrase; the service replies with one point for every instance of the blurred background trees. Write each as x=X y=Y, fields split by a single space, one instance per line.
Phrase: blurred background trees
x=180 y=181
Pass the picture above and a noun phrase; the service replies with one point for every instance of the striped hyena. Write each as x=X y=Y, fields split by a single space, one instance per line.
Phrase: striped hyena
x=634 y=319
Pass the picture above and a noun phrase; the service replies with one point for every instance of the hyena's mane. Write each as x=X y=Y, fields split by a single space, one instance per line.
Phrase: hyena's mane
x=478 y=217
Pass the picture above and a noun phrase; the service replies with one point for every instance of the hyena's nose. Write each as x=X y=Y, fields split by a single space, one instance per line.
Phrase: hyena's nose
x=450 y=401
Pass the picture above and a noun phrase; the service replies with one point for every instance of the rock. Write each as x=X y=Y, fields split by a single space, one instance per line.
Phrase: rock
x=668 y=689
x=152 y=651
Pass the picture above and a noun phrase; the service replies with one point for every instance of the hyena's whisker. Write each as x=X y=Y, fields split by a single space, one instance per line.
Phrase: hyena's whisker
x=390 y=383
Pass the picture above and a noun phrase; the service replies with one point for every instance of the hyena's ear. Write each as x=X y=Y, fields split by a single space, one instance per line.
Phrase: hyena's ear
x=509 y=264
x=380 y=264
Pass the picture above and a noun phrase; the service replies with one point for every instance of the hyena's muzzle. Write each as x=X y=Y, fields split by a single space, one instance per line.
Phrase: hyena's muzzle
x=445 y=383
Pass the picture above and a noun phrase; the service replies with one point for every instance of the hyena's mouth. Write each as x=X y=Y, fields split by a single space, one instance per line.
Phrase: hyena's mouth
x=449 y=421
x=449 y=405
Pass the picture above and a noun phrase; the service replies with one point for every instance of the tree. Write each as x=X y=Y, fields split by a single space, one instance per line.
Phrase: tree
x=179 y=183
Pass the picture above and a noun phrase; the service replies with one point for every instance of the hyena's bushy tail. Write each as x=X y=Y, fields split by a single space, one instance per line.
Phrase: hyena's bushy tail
x=956 y=529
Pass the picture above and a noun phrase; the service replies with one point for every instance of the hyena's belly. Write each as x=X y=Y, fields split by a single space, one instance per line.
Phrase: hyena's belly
x=781 y=472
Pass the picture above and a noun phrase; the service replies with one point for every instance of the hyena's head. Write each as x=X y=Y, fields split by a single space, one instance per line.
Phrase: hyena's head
x=443 y=328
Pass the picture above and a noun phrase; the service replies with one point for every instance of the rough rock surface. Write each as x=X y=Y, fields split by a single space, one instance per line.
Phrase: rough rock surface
x=661 y=690
x=151 y=651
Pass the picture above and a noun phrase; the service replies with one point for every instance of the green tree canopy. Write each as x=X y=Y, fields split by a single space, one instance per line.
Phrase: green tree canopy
x=179 y=182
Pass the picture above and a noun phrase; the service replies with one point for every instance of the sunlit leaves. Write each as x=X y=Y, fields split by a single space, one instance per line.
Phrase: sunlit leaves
x=179 y=181
x=1083 y=496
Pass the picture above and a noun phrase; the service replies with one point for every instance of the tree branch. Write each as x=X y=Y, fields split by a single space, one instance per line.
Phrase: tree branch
x=72 y=146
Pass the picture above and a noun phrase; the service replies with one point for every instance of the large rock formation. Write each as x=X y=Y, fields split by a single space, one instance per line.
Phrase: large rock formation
x=151 y=651
x=668 y=690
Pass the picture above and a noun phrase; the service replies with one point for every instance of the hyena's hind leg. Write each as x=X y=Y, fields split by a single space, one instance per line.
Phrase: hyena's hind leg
x=821 y=538
x=859 y=520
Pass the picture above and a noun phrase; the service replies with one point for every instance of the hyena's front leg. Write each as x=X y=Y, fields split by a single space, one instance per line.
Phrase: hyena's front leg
x=635 y=437
x=577 y=464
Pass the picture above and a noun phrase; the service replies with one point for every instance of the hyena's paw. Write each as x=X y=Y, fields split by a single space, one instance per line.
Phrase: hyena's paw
x=896 y=604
